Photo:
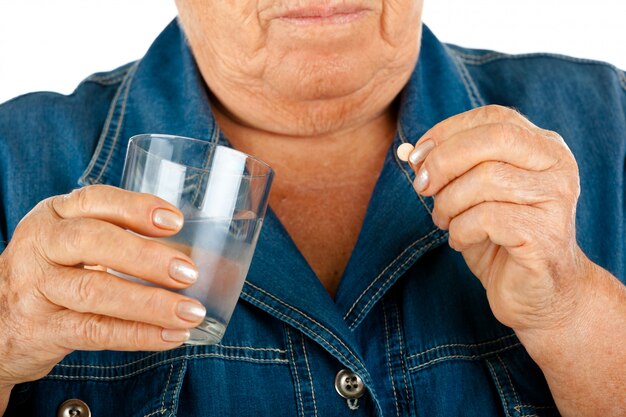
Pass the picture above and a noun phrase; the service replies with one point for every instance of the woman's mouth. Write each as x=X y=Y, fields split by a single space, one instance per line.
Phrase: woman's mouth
x=323 y=15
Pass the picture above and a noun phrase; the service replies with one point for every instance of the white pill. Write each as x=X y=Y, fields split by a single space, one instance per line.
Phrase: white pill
x=404 y=151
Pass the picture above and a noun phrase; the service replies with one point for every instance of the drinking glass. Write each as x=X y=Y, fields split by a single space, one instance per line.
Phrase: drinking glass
x=223 y=195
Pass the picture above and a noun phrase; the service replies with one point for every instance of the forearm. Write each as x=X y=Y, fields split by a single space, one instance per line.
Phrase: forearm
x=5 y=392
x=584 y=361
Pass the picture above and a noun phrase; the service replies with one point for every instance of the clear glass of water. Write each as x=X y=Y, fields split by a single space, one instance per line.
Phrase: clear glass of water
x=223 y=195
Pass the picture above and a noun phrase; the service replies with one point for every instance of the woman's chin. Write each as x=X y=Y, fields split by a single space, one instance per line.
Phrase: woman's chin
x=325 y=86
x=312 y=76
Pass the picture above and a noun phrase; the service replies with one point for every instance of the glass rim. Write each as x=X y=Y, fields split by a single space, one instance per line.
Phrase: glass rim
x=135 y=138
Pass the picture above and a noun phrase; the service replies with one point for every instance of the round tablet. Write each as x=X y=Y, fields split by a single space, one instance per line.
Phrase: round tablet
x=404 y=151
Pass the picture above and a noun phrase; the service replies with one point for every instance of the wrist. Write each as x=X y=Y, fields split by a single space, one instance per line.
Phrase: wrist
x=5 y=393
x=590 y=309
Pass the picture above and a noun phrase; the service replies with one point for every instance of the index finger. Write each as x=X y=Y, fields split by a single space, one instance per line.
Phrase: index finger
x=470 y=119
x=143 y=213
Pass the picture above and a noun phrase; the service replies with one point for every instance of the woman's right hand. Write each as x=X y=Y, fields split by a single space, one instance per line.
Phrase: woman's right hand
x=52 y=304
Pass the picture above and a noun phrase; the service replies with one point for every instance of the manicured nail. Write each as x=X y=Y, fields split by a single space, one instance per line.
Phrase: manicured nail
x=190 y=310
x=175 y=335
x=421 y=180
x=421 y=151
x=183 y=271
x=167 y=219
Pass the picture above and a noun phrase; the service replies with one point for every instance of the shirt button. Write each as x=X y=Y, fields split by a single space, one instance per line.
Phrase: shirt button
x=74 y=408
x=349 y=385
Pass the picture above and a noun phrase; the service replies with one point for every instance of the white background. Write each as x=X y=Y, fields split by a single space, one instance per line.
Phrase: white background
x=53 y=44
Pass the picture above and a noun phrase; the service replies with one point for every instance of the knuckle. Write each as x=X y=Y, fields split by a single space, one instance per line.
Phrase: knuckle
x=54 y=205
x=158 y=302
x=445 y=206
x=499 y=173
x=510 y=134
x=485 y=214
x=497 y=112
x=454 y=228
x=84 y=291
x=81 y=198
x=137 y=335
x=434 y=163
x=71 y=234
x=94 y=329
x=151 y=253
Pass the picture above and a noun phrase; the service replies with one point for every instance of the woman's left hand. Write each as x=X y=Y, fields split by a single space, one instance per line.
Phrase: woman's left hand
x=507 y=190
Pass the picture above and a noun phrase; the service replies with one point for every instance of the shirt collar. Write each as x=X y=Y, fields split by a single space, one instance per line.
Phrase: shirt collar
x=164 y=93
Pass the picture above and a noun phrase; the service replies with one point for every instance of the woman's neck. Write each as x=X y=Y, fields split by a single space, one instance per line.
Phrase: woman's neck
x=317 y=158
x=322 y=185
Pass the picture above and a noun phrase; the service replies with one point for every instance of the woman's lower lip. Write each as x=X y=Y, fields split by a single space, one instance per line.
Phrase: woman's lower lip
x=334 y=19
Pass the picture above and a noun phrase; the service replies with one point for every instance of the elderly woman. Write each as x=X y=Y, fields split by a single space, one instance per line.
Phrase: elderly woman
x=354 y=304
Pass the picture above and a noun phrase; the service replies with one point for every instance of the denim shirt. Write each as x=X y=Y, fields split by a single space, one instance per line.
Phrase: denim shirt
x=408 y=318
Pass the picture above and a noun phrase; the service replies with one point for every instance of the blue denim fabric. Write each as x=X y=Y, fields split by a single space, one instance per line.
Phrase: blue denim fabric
x=409 y=318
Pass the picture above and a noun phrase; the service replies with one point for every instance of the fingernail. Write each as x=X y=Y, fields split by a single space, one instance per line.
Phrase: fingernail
x=190 y=310
x=175 y=335
x=183 y=271
x=421 y=151
x=421 y=180
x=167 y=219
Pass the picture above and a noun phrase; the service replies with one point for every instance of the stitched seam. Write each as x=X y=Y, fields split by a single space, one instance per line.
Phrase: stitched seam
x=495 y=376
x=160 y=411
x=195 y=356
x=158 y=353
x=401 y=345
x=254 y=349
x=319 y=337
x=473 y=345
x=131 y=75
x=62 y=365
x=477 y=59
x=115 y=74
x=393 y=385
x=497 y=56
x=167 y=384
x=538 y=407
x=406 y=173
x=393 y=275
x=177 y=390
x=494 y=55
x=467 y=357
x=468 y=82
x=306 y=360
x=107 y=80
x=473 y=100
x=361 y=365
x=472 y=84
x=295 y=371
x=105 y=129
x=508 y=377
x=345 y=317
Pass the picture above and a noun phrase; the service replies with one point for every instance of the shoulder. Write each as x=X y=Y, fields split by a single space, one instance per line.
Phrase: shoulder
x=563 y=87
x=579 y=97
x=33 y=111
x=540 y=68
x=47 y=139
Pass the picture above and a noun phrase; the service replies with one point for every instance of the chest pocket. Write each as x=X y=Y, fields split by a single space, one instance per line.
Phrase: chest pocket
x=109 y=384
x=491 y=378
x=520 y=384
x=189 y=380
